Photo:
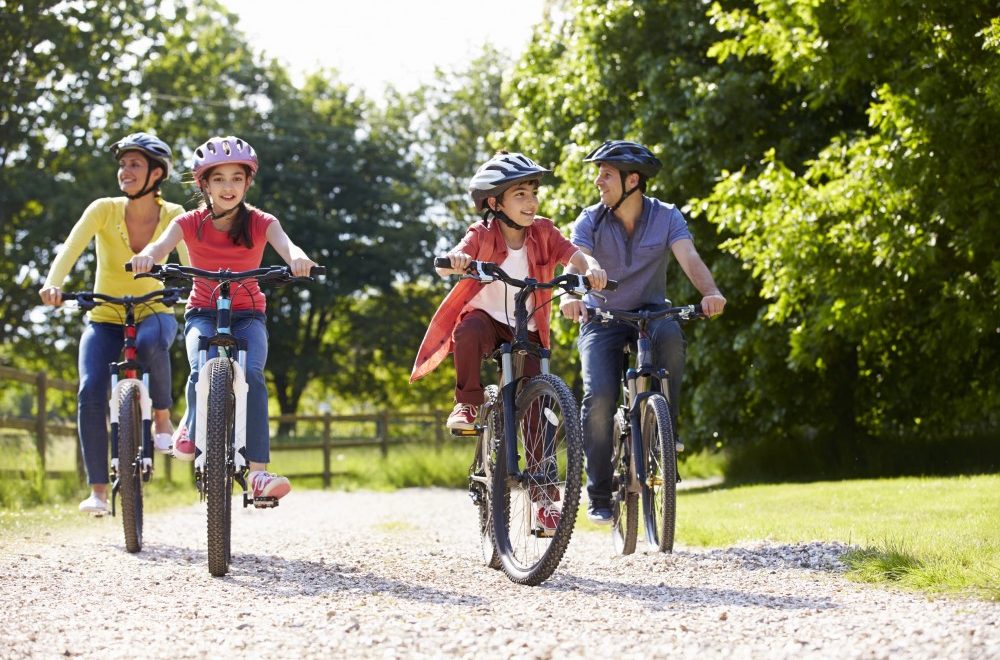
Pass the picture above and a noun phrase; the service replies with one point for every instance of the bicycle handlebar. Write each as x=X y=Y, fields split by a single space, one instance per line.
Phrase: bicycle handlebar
x=90 y=299
x=487 y=271
x=277 y=274
x=684 y=312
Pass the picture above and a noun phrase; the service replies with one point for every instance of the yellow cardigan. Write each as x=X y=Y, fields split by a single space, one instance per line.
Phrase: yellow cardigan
x=105 y=220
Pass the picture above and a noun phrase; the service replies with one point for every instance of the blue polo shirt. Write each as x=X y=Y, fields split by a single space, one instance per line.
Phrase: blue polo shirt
x=638 y=263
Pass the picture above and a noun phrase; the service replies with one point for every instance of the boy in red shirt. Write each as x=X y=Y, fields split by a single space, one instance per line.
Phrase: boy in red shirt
x=475 y=318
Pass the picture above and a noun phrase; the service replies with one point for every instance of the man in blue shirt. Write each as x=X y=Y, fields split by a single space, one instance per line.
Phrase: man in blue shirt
x=632 y=236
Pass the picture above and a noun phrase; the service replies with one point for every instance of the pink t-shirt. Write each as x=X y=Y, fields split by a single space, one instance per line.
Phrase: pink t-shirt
x=215 y=250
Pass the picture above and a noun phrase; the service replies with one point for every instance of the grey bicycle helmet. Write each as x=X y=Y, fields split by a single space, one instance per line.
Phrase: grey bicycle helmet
x=500 y=173
x=626 y=156
x=151 y=146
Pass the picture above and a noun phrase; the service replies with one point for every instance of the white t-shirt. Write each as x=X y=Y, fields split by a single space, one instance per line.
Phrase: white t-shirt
x=497 y=298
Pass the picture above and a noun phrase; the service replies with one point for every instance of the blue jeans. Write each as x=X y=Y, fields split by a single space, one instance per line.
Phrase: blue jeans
x=100 y=345
x=602 y=359
x=245 y=325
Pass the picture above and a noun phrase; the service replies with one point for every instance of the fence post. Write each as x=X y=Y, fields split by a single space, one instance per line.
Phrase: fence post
x=382 y=432
x=326 y=449
x=40 y=440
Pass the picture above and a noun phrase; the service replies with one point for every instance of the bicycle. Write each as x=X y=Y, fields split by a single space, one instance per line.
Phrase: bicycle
x=529 y=449
x=130 y=410
x=221 y=391
x=644 y=457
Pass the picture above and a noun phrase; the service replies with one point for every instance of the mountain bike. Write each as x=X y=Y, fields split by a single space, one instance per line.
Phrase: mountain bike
x=529 y=449
x=221 y=391
x=644 y=457
x=131 y=411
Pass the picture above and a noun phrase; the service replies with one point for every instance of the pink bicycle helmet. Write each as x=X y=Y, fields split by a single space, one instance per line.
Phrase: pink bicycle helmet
x=222 y=151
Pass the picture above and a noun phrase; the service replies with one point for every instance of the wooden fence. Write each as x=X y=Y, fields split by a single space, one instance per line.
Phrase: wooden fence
x=313 y=432
x=40 y=423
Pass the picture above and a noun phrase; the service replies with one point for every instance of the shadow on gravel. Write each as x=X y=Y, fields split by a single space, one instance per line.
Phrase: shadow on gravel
x=665 y=597
x=274 y=575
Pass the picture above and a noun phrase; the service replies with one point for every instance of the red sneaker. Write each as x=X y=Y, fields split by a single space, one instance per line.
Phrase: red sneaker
x=183 y=445
x=463 y=417
x=265 y=484
x=548 y=516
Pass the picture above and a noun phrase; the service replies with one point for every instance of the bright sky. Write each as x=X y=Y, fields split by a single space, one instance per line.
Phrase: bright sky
x=377 y=42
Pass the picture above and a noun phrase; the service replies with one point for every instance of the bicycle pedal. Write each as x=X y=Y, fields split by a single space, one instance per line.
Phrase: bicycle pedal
x=467 y=433
x=542 y=533
x=260 y=502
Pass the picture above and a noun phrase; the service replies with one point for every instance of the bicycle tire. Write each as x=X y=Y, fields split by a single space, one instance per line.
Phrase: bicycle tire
x=219 y=462
x=624 y=504
x=130 y=464
x=483 y=466
x=528 y=557
x=660 y=490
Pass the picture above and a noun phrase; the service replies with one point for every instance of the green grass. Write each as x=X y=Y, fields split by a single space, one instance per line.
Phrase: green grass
x=932 y=534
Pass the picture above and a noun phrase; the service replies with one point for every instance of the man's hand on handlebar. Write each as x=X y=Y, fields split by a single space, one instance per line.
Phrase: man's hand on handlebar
x=575 y=310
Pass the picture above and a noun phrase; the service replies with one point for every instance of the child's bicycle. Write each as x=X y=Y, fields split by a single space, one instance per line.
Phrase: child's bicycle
x=529 y=450
x=644 y=458
x=131 y=411
x=220 y=427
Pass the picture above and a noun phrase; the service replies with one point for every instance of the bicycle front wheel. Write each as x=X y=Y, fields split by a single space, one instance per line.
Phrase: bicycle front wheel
x=536 y=483
x=130 y=464
x=481 y=474
x=624 y=503
x=219 y=462
x=659 y=492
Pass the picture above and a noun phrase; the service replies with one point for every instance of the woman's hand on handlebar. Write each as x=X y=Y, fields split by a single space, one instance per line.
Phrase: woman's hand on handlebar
x=142 y=263
x=51 y=295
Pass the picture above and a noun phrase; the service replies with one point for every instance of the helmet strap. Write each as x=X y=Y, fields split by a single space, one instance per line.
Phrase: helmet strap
x=490 y=214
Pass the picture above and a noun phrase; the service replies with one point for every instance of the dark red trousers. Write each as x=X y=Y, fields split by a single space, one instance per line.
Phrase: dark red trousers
x=476 y=336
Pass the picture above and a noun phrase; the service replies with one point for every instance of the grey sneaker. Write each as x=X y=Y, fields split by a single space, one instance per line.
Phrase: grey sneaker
x=599 y=511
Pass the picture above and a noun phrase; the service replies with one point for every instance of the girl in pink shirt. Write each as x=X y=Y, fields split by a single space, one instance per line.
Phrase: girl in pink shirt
x=226 y=232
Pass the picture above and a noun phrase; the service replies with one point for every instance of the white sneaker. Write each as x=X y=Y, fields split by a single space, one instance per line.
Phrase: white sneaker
x=163 y=442
x=94 y=505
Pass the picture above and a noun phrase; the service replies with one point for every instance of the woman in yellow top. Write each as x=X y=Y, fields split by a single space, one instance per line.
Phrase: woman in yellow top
x=122 y=227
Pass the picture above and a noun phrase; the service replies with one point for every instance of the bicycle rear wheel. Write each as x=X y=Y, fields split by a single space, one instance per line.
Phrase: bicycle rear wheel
x=481 y=474
x=130 y=464
x=549 y=449
x=624 y=504
x=659 y=492
x=219 y=462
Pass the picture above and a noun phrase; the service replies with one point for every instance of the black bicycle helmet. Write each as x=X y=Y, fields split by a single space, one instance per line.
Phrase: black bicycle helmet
x=626 y=156
x=500 y=173
x=153 y=148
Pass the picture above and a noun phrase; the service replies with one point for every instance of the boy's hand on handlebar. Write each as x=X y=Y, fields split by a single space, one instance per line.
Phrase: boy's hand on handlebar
x=51 y=295
x=301 y=267
x=574 y=310
x=598 y=278
x=713 y=304
x=142 y=264
x=459 y=261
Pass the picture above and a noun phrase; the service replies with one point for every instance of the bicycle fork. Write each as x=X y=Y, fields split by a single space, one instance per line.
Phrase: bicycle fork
x=144 y=460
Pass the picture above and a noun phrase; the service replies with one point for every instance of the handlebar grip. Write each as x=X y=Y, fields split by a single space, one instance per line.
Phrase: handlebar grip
x=317 y=270
x=155 y=269
x=698 y=310
x=612 y=285
x=442 y=262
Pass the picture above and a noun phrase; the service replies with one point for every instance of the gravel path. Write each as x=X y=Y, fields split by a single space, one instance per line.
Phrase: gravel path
x=331 y=574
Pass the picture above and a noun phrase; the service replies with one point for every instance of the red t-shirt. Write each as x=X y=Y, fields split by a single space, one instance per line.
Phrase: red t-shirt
x=215 y=250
